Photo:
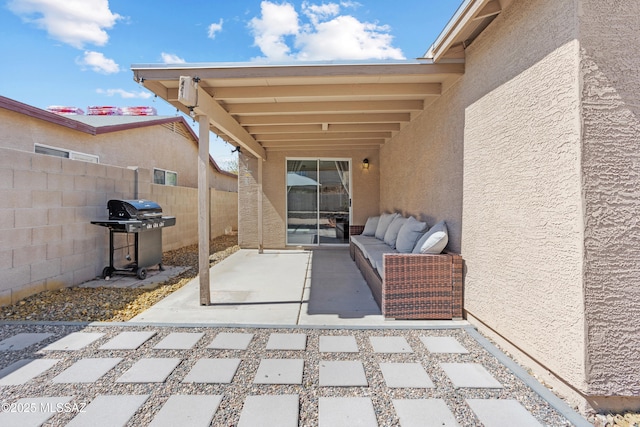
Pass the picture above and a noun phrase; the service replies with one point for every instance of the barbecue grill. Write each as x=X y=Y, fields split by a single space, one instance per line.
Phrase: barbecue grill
x=143 y=219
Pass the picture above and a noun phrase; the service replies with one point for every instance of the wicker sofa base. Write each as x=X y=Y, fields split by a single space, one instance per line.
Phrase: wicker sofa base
x=415 y=286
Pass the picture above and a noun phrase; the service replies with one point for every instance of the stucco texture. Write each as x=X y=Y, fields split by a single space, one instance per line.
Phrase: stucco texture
x=365 y=192
x=609 y=67
x=498 y=158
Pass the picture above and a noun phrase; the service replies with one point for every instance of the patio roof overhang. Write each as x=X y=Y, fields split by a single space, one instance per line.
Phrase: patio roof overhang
x=297 y=106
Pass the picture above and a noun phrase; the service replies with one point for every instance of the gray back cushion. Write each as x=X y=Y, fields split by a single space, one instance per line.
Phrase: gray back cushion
x=383 y=224
x=409 y=235
x=370 y=226
x=391 y=234
x=434 y=241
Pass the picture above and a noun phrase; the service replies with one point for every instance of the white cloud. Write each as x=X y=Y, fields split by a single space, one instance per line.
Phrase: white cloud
x=215 y=28
x=124 y=93
x=74 y=22
x=327 y=35
x=99 y=63
x=277 y=21
x=170 y=58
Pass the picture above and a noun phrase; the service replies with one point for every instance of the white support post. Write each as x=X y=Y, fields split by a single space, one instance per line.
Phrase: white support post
x=203 y=209
x=260 y=232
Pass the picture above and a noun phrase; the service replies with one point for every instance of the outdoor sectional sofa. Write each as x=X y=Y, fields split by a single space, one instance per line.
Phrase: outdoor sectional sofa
x=406 y=282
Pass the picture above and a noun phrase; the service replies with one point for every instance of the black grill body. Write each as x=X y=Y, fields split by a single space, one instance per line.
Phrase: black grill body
x=143 y=219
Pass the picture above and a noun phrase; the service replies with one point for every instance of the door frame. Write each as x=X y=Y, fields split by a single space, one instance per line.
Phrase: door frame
x=286 y=199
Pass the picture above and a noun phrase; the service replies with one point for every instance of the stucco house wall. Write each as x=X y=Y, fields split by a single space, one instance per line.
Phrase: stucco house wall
x=169 y=146
x=499 y=160
x=609 y=69
x=365 y=192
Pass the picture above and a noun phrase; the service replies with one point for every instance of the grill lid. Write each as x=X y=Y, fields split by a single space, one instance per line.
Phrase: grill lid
x=133 y=209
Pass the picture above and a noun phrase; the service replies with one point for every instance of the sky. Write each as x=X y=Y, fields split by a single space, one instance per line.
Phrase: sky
x=79 y=52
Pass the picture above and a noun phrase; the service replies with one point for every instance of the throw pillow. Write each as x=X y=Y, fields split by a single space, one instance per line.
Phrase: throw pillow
x=370 y=226
x=409 y=235
x=391 y=234
x=434 y=241
x=383 y=224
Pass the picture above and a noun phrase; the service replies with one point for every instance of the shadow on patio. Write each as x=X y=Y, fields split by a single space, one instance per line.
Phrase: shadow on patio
x=279 y=287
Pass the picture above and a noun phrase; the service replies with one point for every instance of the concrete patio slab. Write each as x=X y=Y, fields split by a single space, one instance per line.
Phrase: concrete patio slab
x=231 y=341
x=127 y=340
x=338 y=344
x=424 y=413
x=87 y=370
x=43 y=409
x=390 y=345
x=270 y=411
x=469 y=375
x=342 y=373
x=150 y=370
x=220 y=371
x=22 y=341
x=346 y=412
x=74 y=341
x=25 y=370
x=187 y=410
x=179 y=341
x=443 y=345
x=319 y=287
x=405 y=375
x=279 y=371
x=497 y=413
x=278 y=341
x=100 y=412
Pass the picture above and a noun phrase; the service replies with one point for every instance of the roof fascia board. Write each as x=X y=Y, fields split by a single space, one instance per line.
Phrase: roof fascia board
x=463 y=16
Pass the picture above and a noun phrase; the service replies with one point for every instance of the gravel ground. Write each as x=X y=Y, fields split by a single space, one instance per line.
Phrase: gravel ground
x=235 y=393
x=115 y=304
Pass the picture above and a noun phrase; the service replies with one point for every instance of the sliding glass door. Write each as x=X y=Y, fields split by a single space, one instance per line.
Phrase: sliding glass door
x=318 y=201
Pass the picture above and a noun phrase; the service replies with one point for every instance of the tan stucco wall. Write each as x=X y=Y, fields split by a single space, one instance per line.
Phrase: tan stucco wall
x=147 y=147
x=365 y=192
x=498 y=158
x=609 y=69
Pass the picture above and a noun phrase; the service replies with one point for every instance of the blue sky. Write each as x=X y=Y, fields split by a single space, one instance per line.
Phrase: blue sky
x=79 y=52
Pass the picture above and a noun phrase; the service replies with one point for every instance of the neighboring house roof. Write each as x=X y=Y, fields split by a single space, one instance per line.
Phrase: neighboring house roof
x=96 y=125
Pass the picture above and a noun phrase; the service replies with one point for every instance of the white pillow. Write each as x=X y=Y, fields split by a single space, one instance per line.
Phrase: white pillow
x=434 y=241
x=370 y=226
x=391 y=234
x=409 y=235
x=383 y=224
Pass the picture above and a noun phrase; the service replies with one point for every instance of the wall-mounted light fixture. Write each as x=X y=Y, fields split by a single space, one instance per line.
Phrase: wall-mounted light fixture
x=365 y=164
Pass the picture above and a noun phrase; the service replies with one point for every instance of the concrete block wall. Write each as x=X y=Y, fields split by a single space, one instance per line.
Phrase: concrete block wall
x=47 y=204
x=46 y=238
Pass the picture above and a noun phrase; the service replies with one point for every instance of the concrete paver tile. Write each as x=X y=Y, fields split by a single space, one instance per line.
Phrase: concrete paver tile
x=150 y=370
x=219 y=371
x=231 y=341
x=469 y=375
x=342 y=373
x=390 y=345
x=443 y=345
x=346 y=412
x=87 y=370
x=338 y=344
x=128 y=340
x=34 y=411
x=187 y=410
x=424 y=413
x=179 y=341
x=502 y=412
x=74 y=341
x=22 y=341
x=101 y=411
x=24 y=370
x=279 y=341
x=279 y=371
x=405 y=375
x=270 y=411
